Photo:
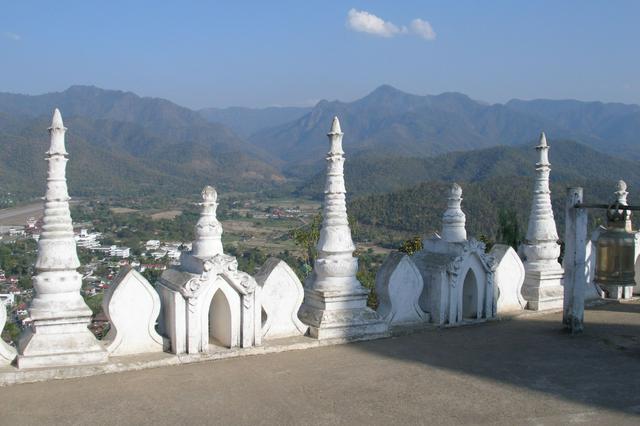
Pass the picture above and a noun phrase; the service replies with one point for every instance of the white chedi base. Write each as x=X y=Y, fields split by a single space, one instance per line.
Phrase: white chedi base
x=132 y=306
x=340 y=314
x=542 y=288
x=399 y=286
x=7 y=353
x=509 y=278
x=282 y=294
x=59 y=334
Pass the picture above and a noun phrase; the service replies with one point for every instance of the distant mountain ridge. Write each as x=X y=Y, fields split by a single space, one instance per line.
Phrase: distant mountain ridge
x=115 y=134
x=389 y=121
x=246 y=121
x=120 y=141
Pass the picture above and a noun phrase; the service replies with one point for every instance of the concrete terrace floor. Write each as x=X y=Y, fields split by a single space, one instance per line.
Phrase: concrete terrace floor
x=520 y=371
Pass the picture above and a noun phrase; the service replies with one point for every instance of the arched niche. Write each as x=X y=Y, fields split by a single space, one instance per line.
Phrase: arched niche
x=470 y=296
x=220 y=320
x=221 y=316
x=472 y=289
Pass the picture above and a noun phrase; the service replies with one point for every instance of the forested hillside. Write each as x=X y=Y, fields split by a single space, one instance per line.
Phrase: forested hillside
x=120 y=143
x=571 y=164
x=418 y=210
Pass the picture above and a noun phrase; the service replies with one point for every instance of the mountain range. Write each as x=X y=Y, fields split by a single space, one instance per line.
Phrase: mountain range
x=121 y=143
x=247 y=121
x=389 y=121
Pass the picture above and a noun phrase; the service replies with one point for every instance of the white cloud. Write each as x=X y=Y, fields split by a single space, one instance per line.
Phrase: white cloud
x=12 y=36
x=365 y=22
x=423 y=29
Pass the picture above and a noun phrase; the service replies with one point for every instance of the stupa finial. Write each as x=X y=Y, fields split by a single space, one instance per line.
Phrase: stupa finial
x=621 y=192
x=335 y=127
x=454 y=219
x=543 y=140
x=56 y=121
x=57 y=131
x=208 y=241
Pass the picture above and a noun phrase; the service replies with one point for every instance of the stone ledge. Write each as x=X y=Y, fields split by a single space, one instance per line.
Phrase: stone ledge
x=11 y=375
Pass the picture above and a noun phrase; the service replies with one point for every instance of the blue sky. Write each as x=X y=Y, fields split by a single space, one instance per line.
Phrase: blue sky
x=260 y=53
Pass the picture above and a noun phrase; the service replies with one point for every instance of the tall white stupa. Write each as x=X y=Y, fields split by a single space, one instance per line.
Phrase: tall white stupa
x=542 y=288
x=335 y=302
x=58 y=335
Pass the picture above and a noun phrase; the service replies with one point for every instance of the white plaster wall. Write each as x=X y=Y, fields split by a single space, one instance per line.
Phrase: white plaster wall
x=7 y=353
x=399 y=286
x=508 y=279
x=281 y=296
x=132 y=306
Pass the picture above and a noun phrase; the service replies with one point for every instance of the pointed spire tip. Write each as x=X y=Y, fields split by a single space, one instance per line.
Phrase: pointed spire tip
x=56 y=121
x=543 y=139
x=335 y=125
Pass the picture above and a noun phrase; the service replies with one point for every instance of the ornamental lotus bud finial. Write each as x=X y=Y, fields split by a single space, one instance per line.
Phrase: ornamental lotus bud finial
x=455 y=191
x=209 y=194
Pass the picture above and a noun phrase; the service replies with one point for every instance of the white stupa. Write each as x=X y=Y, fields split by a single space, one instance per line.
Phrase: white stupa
x=335 y=302
x=542 y=288
x=58 y=335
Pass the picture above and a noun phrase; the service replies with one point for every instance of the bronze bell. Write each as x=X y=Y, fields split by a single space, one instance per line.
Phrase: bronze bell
x=615 y=250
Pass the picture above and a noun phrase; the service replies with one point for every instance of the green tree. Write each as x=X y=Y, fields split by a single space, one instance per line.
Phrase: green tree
x=307 y=237
x=411 y=245
x=509 y=230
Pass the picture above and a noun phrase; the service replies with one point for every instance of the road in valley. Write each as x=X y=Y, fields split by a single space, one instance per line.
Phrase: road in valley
x=18 y=215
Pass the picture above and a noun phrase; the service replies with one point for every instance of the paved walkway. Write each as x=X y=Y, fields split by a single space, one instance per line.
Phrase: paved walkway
x=522 y=371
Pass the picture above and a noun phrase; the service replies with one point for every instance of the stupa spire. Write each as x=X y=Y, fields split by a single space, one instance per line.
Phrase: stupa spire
x=57 y=132
x=59 y=334
x=335 y=127
x=542 y=287
x=454 y=219
x=542 y=226
x=208 y=242
x=335 y=301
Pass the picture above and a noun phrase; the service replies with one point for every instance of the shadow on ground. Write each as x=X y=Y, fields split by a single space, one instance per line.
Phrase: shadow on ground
x=599 y=368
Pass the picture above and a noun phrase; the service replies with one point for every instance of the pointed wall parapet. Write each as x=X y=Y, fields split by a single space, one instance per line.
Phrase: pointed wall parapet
x=453 y=220
x=335 y=303
x=132 y=306
x=282 y=294
x=7 y=353
x=543 y=278
x=58 y=335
